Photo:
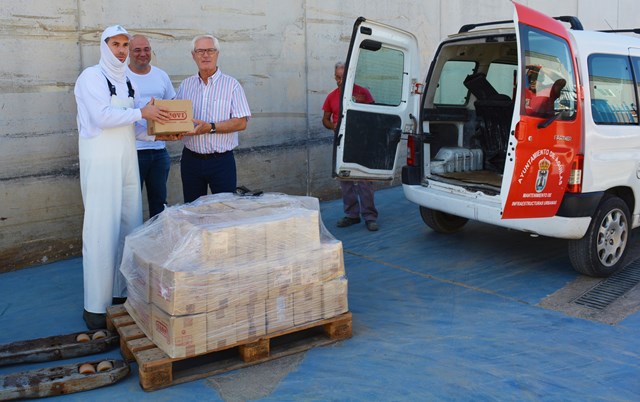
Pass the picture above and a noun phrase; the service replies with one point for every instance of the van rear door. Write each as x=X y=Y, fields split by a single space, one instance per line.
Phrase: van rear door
x=383 y=61
x=548 y=129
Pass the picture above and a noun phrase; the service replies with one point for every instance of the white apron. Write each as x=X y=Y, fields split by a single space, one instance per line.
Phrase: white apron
x=110 y=183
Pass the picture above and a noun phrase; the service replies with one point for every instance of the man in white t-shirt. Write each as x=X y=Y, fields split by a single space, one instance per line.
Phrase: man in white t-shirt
x=153 y=159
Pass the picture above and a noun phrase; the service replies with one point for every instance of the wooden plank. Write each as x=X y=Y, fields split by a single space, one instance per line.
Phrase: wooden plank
x=122 y=321
x=340 y=328
x=138 y=345
x=157 y=370
x=113 y=312
x=254 y=351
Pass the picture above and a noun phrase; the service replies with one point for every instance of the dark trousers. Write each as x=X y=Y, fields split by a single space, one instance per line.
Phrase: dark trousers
x=357 y=198
x=154 y=167
x=215 y=171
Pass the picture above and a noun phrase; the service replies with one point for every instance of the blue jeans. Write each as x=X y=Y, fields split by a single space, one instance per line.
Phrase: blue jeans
x=154 y=167
x=217 y=171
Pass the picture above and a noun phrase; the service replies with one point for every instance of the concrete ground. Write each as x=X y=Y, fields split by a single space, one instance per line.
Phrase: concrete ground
x=482 y=315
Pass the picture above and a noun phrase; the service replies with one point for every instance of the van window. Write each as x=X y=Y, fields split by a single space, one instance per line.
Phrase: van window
x=548 y=77
x=451 y=89
x=636 y=71
x=613 y=92
x=502 y=77
x=382 y=73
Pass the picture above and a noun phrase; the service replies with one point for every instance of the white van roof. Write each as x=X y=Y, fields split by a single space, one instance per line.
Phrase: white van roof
x=588 y=42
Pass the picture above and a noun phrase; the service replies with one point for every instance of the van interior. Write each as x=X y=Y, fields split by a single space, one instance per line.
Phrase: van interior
x=468 y=112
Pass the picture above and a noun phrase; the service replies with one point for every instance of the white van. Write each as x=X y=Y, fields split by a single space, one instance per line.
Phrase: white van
x=527 y=124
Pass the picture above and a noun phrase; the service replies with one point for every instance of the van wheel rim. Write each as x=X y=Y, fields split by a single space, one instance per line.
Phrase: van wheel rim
x=612 y=238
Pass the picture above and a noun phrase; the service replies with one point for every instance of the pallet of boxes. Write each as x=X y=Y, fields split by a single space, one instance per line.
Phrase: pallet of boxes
x=229 y=272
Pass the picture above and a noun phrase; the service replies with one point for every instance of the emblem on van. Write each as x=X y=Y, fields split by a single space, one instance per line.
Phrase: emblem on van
x=562 y=137
x=543 y=174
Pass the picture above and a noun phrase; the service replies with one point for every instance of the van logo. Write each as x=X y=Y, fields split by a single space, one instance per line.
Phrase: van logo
x=543 y=174
x=562 y=137
x=177 y=115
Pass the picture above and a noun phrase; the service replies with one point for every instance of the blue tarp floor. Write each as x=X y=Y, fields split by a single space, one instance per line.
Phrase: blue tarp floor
x=435 y=317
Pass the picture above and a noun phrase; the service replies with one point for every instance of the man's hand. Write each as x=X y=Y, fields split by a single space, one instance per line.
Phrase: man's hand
x=201 y=127
x=155 y=113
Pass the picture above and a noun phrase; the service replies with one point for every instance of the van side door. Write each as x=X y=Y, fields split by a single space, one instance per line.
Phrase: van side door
x=548 y=129
x=383 y=61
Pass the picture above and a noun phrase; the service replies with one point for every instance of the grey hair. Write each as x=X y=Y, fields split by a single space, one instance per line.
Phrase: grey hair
x=338 y=65
x=216 y=44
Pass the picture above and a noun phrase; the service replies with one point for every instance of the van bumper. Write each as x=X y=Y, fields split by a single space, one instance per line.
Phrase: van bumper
x=488 y=209
x=579 y=205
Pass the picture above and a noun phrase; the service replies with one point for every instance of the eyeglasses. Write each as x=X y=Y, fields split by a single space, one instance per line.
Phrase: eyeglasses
x=208 y=52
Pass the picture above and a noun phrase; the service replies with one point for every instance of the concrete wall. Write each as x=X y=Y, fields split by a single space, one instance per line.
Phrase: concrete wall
x=282 y=51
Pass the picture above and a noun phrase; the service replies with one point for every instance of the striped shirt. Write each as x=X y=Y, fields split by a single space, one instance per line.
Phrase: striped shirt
x=221 y=99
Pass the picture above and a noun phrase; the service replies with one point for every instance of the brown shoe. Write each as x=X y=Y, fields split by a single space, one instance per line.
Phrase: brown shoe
x=372 y=226
x=347 y=221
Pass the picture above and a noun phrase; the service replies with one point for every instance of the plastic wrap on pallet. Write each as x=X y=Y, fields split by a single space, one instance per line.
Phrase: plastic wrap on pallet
x=226 y=269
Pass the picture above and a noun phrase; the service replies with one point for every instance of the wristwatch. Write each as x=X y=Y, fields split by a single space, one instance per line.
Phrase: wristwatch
x=213 y=128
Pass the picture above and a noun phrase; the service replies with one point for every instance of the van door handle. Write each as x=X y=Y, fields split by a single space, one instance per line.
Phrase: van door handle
x=521 y=132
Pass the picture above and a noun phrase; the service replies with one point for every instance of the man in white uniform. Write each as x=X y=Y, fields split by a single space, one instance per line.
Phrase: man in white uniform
x=109 y=177
x=153 y=159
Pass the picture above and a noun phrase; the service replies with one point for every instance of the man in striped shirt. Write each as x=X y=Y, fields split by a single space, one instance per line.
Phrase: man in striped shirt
x=220 y=111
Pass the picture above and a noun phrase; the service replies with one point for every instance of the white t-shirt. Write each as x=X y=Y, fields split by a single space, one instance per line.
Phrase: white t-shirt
x=157 y=84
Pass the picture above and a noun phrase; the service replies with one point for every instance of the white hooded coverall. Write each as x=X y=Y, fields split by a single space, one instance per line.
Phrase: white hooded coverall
x=109 y=176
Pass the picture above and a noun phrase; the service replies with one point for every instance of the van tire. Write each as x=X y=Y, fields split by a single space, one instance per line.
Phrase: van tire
x=601 y=251
x=442 y=222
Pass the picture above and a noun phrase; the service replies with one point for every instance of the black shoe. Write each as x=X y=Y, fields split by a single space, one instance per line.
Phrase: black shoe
x=347 y=221
x=118 y=300
x=372 y=226
x=94 y=320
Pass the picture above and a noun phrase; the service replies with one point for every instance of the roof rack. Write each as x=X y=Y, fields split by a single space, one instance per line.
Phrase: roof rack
x=634 y=30
x=469 y=27
x=573 y=22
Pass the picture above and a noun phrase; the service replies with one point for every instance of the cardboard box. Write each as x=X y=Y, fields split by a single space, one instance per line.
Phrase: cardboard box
x=280 y=277
x=179 y=293
x=250 y=242
x=181 y=117
x=307 y=304
x=138 y=282
x=332 y=260
x=250 y=319
x=140 y=311
x=179 y=336
x=221 y=328
x=279 y=313
x=309 y=270
x=280 y=237
x=253 y=280
x=335 y=297
x=307 y=229
x=222 y=291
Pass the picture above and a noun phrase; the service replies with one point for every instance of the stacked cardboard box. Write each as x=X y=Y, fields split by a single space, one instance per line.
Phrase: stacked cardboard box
x=228 y=269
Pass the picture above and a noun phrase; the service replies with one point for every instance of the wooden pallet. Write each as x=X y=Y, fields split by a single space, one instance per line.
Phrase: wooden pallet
x=157 y=370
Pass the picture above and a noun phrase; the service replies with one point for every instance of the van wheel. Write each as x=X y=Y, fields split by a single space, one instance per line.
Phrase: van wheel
x=442 y=222
x=601 y=251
